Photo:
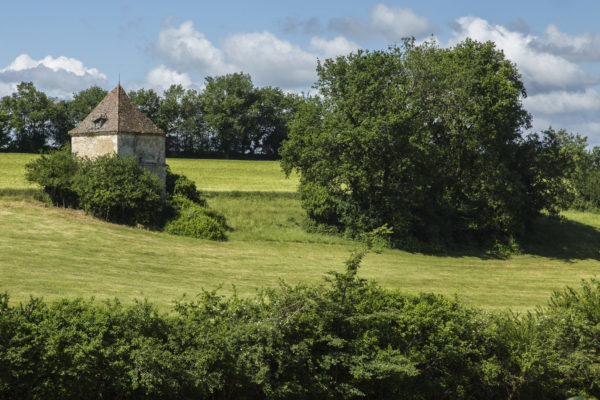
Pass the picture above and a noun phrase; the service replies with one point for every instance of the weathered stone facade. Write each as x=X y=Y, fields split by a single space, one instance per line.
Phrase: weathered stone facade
x=117 y=126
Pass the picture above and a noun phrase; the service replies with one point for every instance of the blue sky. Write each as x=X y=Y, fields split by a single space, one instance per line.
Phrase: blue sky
x=67 y=46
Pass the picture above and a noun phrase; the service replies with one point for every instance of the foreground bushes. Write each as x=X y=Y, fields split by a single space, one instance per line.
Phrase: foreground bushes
x=348 y=339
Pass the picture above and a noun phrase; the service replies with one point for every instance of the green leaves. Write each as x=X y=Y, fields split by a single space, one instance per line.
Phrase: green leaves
x=347 y=339
x=120 y=190
x=425 y=139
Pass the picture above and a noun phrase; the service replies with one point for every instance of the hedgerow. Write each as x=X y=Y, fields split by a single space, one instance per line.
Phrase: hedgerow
x=347 y=339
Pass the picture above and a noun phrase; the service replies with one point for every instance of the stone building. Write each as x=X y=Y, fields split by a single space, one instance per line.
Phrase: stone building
x=117 y=126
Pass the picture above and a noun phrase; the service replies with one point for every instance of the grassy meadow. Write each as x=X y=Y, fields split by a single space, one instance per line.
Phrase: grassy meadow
x=52 y=252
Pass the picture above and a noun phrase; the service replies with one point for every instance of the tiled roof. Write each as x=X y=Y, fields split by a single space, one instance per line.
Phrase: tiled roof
x=116 y=114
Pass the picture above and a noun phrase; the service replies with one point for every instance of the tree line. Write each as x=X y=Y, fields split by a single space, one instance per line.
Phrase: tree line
x=431 y=143
x=231 y=117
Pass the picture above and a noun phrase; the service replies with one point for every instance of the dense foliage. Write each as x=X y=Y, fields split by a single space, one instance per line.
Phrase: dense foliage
x=348 y=339
x=56 y=173
x=427 y=140
x=189 y=212
x=195 y=220
x=231 y=117
x=181 y=186
x=584 y=178
x=119 y=189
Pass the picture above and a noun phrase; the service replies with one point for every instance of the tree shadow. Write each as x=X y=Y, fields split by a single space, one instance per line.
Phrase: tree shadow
x=550 y=237
x=562 y=239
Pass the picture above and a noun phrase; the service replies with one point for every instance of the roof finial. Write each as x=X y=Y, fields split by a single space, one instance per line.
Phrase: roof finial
x=119 y=79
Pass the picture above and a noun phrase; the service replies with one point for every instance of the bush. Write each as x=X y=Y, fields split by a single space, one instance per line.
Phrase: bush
x=196 y=221
x=120 y=190
x=56 y=173
x=348 y=339
x=181 y=185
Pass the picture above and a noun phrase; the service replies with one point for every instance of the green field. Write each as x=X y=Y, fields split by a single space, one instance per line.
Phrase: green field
x=51 y=252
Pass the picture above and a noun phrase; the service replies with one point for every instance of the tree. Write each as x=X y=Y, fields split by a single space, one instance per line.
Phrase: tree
x=275 y=110
x=28 y=113
x=424 y=139
x=84 y=102
x=5 y=128
x=243 y=119
x=231 y=112
x=61 y=123
x=147 y=101
x=180 y=116
x=584 y=174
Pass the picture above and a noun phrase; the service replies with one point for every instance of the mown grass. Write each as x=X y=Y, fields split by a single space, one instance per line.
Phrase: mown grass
x=235 y=175
x=50 y=252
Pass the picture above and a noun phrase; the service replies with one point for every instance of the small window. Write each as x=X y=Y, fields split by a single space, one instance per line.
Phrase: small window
x=99 y=122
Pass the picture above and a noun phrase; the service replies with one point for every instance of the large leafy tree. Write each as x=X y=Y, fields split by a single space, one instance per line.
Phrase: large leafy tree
x=424 y=139
x=230 y=105
x=62 y=122
x=180 y=116
x=244 y=119
x=84 y=102
x=147 y=101
x=28 y=115
x=274 y=111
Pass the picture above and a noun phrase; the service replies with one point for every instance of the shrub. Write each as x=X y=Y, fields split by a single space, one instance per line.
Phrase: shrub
x=347 y=339
x=120 y=190
x=320 y=206
x=55 y=173
x=196 y=221
x=181 y=185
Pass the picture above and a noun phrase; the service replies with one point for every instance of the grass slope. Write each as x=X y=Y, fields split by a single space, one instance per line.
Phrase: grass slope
x=52 y=252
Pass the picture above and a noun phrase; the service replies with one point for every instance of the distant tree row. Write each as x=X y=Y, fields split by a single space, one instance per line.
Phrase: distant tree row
x=230 y=117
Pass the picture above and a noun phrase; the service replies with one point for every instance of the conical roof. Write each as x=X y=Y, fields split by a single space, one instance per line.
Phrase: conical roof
x=116 y=114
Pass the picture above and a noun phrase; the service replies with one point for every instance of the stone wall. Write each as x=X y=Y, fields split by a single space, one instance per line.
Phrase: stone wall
x=149 y=150
x=94 y=146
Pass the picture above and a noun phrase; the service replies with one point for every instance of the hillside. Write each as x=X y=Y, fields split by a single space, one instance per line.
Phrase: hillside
x=53 y=252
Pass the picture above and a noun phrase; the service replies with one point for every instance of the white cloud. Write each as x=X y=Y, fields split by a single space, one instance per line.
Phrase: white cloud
x=582 y=47
x=558 y=102
x=338 y=46
x=190 y=50
x=396 y=23
x=161 y=78
x=542 y=71
x=270 y=60
x=7 y=88
x=58 y=77
x=267 y=58
x=392 y=23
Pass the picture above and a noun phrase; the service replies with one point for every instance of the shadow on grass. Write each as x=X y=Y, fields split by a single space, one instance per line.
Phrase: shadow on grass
x=19 y=194
x=563 y=239
x=558 y=238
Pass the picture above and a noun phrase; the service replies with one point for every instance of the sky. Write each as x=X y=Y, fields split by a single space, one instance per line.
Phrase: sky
x=67 y=46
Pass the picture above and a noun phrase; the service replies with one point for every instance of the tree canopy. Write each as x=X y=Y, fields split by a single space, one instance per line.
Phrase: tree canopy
x=230 y=117
x=427 y=140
